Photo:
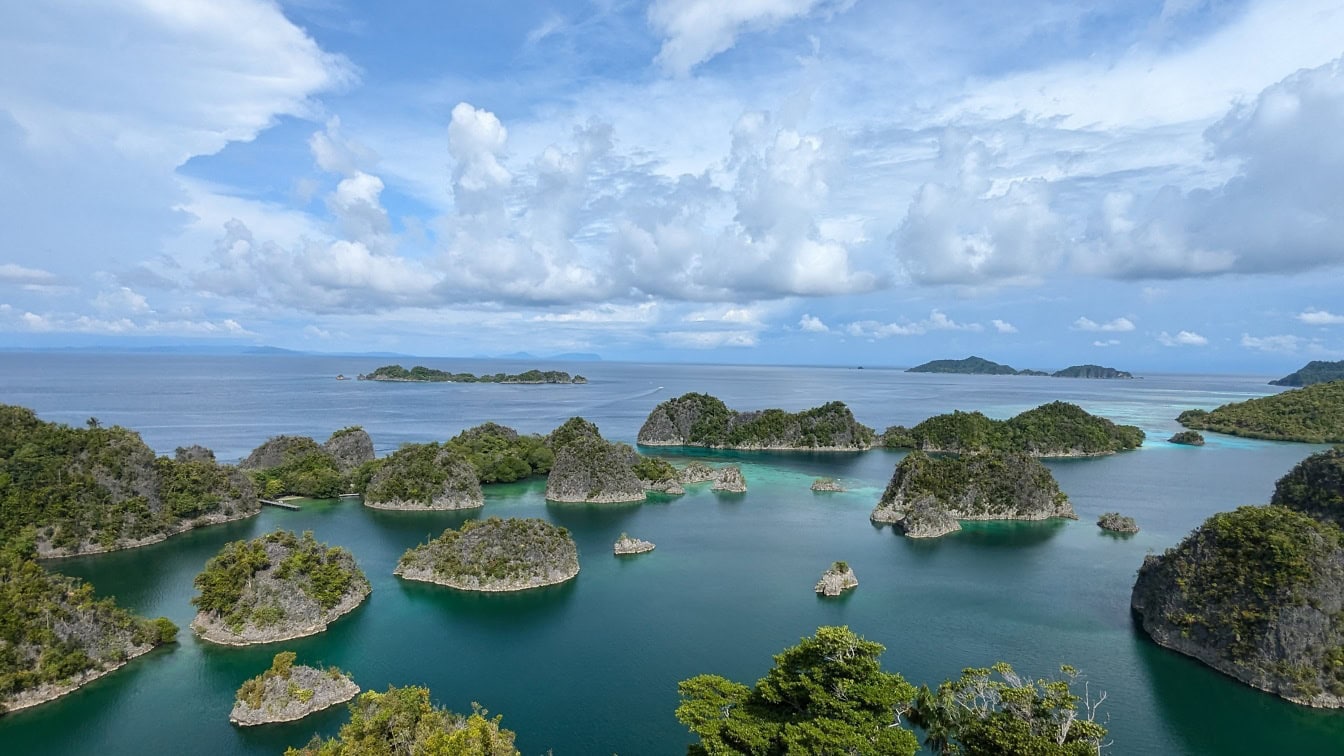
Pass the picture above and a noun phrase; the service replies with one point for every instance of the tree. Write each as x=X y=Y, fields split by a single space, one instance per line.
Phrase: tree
x=403 y=721
x=828 y=694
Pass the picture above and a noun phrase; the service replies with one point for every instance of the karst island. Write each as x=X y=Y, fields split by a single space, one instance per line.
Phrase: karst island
x=494 y=555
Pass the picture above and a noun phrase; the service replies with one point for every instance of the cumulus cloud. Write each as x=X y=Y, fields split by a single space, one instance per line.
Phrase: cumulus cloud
x=122 y=299
x=18 y=274
x=696 y=30
x=32 y=322
x=710 y=339
x=1003 y=326
x=1182 y=338
x=1118 y=325
x=1286 y=344
x=812 y=324
x=937 y=321
x=1312 y=316
x=1106 y=343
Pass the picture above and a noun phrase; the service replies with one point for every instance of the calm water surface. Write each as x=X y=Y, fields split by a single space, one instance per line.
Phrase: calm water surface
x=591 y=667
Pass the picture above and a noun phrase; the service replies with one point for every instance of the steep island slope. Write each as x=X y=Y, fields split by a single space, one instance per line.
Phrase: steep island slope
x=588 y=468
x=1057 y=429
x=703 y=420
x=275 y=587
x=287 y=692
x=1316 y=371
x=1314 y=414
x=494 y=555
x=94 y=489
x=423 y=477
x=299 y=466
x=927 y=496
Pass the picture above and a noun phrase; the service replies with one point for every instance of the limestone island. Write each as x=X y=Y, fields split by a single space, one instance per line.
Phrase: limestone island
x=837 y=579
x=703 y=420
x=421 y=374
x=1057 y=429
x=827 y=485
x=727 y=478
x=1091 y=371
x=1316 y=371
x=55 y=636
x=501 y=454
x=1314 y=414
x=423 y=477
x=928 y=496
x=286 y=692
x=275 y=587
x=96 y=489
x=299 y=466
x=969 y=366
x=588 y=468
x=1187 y=438
x=1117 y=523
x=627 y=545
x=494 y=555
x=1315 y=487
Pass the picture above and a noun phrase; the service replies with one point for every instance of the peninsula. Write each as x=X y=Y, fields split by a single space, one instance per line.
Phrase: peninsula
x=981 y=366
x=1057 y=429
x=1316 y=371
x=421 y=374
x=95 y=489
x=286 y=692
x=494 y=555
x=927 y=496
x=275 y=587
x=703 y=420
x=1313 y=414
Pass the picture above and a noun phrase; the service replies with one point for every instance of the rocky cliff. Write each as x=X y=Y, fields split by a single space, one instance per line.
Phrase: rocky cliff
x=494 y=555
x=287 y=692
x=704 y=420
x=1315 y=487
x=349 y=448
x=627 y=545
x=424 y=477
x=588 y=468
x=837 y=579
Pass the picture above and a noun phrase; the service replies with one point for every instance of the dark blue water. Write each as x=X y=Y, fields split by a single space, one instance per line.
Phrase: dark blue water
x=592 y=666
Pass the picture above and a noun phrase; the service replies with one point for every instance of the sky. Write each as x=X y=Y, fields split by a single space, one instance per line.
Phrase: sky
x=1144 y=184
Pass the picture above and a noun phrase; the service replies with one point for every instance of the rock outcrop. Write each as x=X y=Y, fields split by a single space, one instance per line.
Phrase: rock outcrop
x=696 y=472
x=1187 y=438
x=1258 y=594
x=285 y=692
x=837 y=579
x=927 y=495
x=1118 y=523
x=349 y=448
x=273 y=588
x=1315 y=487
x=827 y=485
x=424 y=477
x=704 y=420
x=588 y=468
x=627 y=545
x=729 y=479
x=494 y=555
x=193 y=453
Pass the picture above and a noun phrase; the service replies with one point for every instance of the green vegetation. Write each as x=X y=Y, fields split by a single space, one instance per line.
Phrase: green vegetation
x=1187 y=438
x=231 y=585
x=423 y=374
x=1316 y=371
x=419 y=473
x=1315 y=487
x=970 y=365
x=304 y=468
x=102 y=487
x=53 y=630
x=655 y=469
x=703 y=420
x=987 y=486
x=403 y=722
x=1050 y=430
x=1314 y=414
x=1090 y=371
x=494 y=554
x=252 y=693
x=501 y=455
x=588 y=468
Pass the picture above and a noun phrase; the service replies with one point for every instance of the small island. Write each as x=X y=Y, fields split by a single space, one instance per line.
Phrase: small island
x=627 y=545
x=501 y=454
x=1314 y=414
x=982 y=366
x=828 y=485
x=703 y=420
x=1315 y=487
x=286 y=692
x=1057 y=429
x=1091 y=371
x=299 y=466
x=588 y=468
x=729 y=480
x=837 y=579
x=423 y=477
x=276 y=587
x=928 y=496
x=494 y=555
x=1187 y=438
x=1316 y=371
x=1117 y=523
x=421 y=374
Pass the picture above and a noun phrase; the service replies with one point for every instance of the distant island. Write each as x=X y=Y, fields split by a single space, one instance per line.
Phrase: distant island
x=1313 y=414
x=287 y=692
x=703 y=420
x=275 y=587
x=1057 y=429
x=928 y=496
x=982 y=366
x=494 y=555
x=1316 y=371
x=421 y=374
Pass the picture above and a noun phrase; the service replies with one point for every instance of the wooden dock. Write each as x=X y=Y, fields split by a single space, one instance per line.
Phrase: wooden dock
x=281 y=504
x=349 y=496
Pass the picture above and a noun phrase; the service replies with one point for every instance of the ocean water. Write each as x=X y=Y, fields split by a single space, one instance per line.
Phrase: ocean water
x=591 y=666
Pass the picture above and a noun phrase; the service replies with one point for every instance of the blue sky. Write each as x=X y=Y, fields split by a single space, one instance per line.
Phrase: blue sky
x=1150 y=185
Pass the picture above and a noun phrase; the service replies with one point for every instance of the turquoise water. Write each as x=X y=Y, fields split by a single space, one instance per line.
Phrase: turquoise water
x=591 y=666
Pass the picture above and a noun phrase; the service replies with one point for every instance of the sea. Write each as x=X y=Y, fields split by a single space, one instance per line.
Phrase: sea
x=591 y=666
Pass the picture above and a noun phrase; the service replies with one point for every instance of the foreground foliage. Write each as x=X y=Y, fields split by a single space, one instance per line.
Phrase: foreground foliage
x=403 y=722
x=1314 y=414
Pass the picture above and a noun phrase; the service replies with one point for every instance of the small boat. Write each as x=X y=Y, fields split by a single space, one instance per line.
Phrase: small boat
x=341 y=377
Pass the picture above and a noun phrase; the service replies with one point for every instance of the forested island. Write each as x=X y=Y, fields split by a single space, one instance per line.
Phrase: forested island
x=982 y=366
x=299 y=466
x=275 y=587
x=1258 y=593
x=95 y=489
x=1313 y=414
x=494 y=555
x=588 y=468
x=928 y=496
x=1316 y=371
x=702 y=420
x=1187 y=438
x=405 y=721
x=287 y=692
x=422 y=374
x=55 y=635
x=423 y=477
x=1057 y=429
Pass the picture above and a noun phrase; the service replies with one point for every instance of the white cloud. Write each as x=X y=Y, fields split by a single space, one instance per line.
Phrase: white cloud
x=18 y=274
x=1003 y=326
x=696 y=30
x=1118 y=325
x=1182 y=338
x=337 y=153
x=1106 y=343
x=119 y=326
x=937 y=321
x=1285 y=344
x=1313 y=316
x=812 y=324
x=710 y=339
x=122 y=299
